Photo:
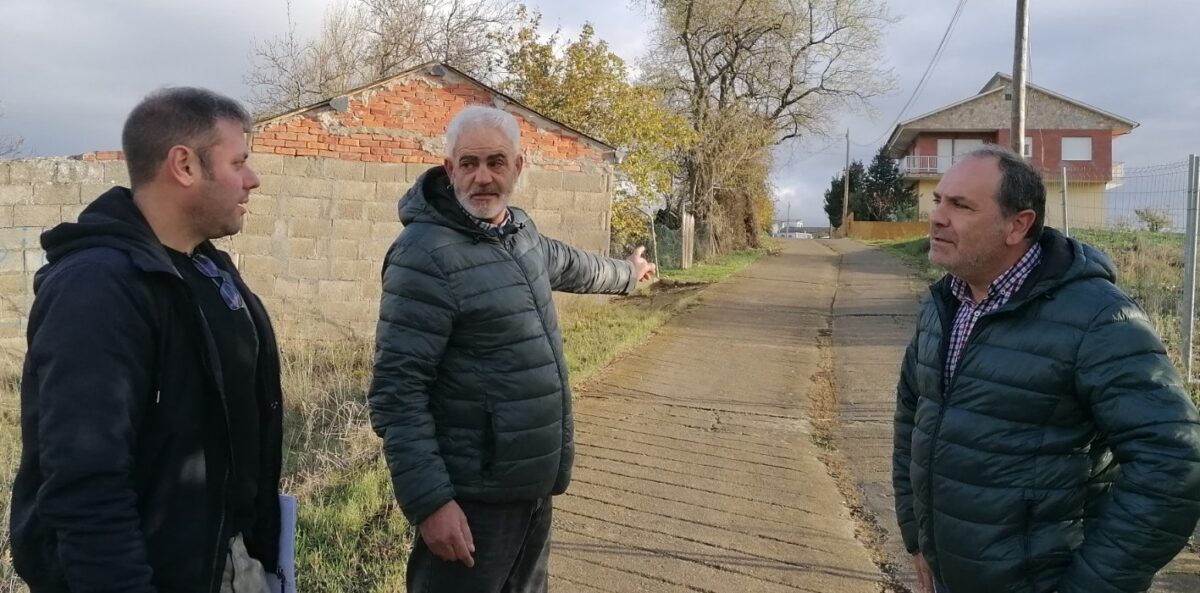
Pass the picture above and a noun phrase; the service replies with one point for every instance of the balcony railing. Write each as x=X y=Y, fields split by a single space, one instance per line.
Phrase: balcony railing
x=927 y=165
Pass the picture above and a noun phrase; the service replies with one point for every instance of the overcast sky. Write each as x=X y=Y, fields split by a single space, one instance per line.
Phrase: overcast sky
x=70 y=70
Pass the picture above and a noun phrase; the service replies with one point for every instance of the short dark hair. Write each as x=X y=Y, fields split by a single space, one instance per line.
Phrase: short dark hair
x=175 y=116
x=1021 y=186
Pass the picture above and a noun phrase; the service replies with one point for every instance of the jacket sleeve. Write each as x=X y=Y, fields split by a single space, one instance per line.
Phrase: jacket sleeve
x=91 y=354
x=906 y=408
x=1138 y=402
x=416 y=314
x=576 y=270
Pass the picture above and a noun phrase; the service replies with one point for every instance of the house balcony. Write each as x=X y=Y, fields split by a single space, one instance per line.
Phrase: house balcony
x=926 y=167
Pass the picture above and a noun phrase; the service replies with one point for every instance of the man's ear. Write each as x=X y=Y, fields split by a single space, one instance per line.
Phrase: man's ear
x=183 y=166
x=1019 y=226
x=520 y=163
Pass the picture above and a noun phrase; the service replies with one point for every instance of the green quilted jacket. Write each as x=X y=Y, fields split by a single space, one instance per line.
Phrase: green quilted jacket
x=470 y=392
x=1063 y=456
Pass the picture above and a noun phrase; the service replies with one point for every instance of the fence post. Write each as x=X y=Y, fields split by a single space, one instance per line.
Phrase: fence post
x=1188 y=316
x=687 y=240
x=1066 y=226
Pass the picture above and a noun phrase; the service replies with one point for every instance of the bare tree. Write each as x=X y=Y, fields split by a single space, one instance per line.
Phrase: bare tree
x=364 y=40
x=788 y=65
x=10 y=146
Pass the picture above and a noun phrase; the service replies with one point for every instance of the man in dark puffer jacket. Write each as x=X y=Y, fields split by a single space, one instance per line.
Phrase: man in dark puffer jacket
x=470 y=391
x=1043 y=440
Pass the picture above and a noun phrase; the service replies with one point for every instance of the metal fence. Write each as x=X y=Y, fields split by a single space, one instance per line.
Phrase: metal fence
x=1145 y=219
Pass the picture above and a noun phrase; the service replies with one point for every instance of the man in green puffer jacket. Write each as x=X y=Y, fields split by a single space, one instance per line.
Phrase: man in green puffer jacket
x=1043 y=440
x=470 y=391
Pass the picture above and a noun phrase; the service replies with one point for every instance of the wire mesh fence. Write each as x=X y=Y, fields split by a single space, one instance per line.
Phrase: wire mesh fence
x=1139 y=218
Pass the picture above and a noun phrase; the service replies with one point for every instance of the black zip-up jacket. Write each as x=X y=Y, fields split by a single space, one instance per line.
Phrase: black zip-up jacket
x=125 y=444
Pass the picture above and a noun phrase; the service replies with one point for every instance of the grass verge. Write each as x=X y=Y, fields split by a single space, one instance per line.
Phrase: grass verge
x=351 y=535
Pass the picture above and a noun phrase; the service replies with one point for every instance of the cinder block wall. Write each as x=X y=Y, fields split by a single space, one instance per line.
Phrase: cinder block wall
x=36 y=194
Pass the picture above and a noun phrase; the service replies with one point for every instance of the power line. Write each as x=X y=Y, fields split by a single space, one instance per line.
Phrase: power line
x=937 y=56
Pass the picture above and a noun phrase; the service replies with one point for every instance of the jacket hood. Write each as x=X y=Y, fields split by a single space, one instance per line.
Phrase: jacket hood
x=112 y=220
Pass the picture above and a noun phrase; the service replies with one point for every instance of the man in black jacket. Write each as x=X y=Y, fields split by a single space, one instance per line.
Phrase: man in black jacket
x=150 y=396
x=1043 y=440
x=470 y=392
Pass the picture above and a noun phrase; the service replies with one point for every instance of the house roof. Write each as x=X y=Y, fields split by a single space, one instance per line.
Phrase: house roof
x=905 y=132
x=439 y=69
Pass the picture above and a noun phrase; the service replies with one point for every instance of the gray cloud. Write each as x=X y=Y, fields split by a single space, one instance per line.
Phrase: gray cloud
x=73 y=68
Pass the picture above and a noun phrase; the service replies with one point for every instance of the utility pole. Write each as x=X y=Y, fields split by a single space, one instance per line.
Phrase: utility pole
x=846 y=184
x=1020 y=53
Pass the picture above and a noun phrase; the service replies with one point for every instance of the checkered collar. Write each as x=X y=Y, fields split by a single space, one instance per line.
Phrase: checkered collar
x=1004 y=286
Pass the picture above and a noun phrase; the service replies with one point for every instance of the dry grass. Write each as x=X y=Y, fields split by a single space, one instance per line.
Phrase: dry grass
x=351 y=535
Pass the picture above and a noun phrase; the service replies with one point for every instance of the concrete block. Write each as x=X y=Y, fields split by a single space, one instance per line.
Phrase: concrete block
x=12 y=284
x=374 y=250
x=299 y=166
x=348 y=210
x=253 y=244
x=309 y=187
x=71 y=213
x=351 y=229
x=73 y=171
x=6 y=216
x=56 y=193
x=353 y=190
x=31 y=171
x=259 y=266
x=340 y=290
x=591 y=202
x=272 y=184
x=294 y=207
x=596 y=241
x=20 y=238
x=545 y=218
x=539 y=179
x=384 y=172
x=583 y=182
x=258 y=224
x=308 y=227
x=90 y=190
x=266 y=164
x=116 y=173
x=308 y=269
x=305 y=248
x=290 y=288
x=391 y=192
x=265 y=205
x=355 y=269
x=37 y=216
x=577 y=221
x=340 y=170
x=554 y=200
x=5 y=176
x=34 y=259
x=415 y=170
x=385 y=230
x=344 y=248
x=12 y=261
x=382 y=212
x=16 y=194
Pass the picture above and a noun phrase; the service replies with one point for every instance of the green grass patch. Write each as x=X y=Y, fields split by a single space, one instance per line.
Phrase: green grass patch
x=719 y=269
x=351 y=535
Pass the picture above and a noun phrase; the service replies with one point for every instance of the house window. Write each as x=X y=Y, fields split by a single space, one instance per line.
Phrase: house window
x=1076 y=149
x=1028 y=147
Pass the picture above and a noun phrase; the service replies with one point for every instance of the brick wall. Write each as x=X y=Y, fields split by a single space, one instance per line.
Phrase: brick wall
x=323 y=218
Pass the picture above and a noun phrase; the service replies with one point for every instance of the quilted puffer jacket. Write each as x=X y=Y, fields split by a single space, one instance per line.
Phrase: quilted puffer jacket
x=1064 y=455
x=470 y=391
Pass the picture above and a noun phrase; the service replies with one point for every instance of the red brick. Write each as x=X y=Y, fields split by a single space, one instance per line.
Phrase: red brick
x=305 y=152
x=287 y=151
